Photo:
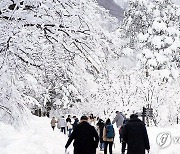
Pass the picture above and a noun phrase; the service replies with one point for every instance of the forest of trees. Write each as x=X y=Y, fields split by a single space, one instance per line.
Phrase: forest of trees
x=74 y=54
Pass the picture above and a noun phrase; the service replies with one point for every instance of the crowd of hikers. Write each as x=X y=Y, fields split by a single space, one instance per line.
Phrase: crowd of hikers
x=90 y=132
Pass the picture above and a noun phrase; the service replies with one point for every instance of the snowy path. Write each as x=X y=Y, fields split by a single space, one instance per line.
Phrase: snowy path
x=38 y=138
x=101 y=152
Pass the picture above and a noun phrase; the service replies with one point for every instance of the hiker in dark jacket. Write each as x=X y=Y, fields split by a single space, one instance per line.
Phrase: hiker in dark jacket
x=76 y=121
x=100 y=126
x=135 y=135
x=68 y=119
x=85 y=138
x=123 y=147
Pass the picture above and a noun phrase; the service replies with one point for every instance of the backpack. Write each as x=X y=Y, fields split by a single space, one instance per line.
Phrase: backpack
x=120 y=130
x=110 y=131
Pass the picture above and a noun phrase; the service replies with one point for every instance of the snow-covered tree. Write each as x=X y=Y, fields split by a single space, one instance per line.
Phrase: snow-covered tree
x=53 y=50
x=153 y=30
x=159 y=46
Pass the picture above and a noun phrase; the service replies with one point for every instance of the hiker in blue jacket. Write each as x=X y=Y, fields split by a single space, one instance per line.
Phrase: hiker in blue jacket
x=108 y=136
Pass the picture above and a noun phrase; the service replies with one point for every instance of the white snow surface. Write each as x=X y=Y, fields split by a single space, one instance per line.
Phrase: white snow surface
x=39 y=138
x=35 y=138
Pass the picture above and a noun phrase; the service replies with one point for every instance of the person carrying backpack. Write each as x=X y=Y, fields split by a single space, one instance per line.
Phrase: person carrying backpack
x=108 y=136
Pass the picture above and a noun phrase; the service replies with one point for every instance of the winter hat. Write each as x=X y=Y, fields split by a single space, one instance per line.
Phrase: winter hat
x=132 y=116
x=100 y=121
x=84 y=117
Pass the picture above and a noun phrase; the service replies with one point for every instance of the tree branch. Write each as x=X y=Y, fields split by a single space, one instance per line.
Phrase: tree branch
x=86 y=57
x=25 y=61
x=6 y=109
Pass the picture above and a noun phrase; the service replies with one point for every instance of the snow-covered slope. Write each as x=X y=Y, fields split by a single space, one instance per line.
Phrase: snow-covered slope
x=114 y=9
x=176 y=1
x=122 y=3
x=35 y=138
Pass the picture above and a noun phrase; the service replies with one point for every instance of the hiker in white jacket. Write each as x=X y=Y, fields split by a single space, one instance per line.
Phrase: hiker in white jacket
x=118 y=119
x=62 y=124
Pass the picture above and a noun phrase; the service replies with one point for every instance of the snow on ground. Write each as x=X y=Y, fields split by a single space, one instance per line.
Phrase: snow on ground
x=39 y=138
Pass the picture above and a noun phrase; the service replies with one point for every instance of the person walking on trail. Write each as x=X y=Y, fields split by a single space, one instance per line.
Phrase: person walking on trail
x=135 y=135
x=53 y=123
x=62 y=124
x=118 y=119
x=108 y=136
x=100 y=127
x=68 y=119
x=69 y=125
x=69 y=128
x=76 y=121
x=123 y=147
x=85 y=138
x=92 y=119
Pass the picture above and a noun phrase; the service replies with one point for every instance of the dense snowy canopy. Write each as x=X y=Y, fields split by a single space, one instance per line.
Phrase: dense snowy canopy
x=57 y=48
x=71 y=54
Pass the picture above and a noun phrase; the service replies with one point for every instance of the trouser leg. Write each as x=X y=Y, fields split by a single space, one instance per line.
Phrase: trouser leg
x=70 y=130
x=63 y=129
x=105 y=147
x=110 y=147
x=53 y=127
x=123 y=146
